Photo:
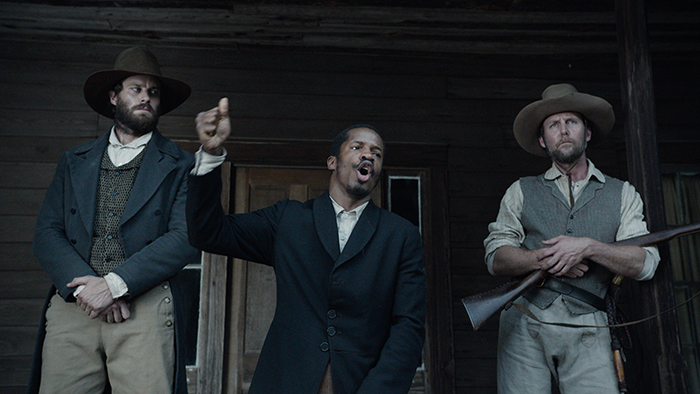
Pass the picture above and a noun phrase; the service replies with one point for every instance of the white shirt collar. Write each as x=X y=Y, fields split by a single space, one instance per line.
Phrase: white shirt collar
x=137 y=143
x=338 y=208
x=554 y=173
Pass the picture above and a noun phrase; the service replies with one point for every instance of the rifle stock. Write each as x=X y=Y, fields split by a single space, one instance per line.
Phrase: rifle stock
x=484 y=305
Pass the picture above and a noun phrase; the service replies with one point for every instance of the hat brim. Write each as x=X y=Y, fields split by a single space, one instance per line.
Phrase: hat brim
x=597 y=111
x=97 y=86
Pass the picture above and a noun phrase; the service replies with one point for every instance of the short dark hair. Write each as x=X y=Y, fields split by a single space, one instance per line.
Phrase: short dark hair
x=343 y=136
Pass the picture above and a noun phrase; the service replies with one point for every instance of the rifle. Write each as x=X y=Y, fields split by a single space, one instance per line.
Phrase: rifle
x=483 y=305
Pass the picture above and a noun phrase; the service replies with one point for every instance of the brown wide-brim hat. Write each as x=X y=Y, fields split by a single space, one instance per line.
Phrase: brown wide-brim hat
x=133 y=61
x=556 y=99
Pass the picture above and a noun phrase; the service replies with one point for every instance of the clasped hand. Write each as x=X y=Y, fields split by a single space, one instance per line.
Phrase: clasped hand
x=96 y=300
x=565 y=256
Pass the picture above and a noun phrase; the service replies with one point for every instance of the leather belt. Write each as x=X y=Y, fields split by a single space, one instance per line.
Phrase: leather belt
x=564 y=288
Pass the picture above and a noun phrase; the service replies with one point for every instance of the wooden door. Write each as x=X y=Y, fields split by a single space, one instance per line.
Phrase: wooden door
x=252 y=288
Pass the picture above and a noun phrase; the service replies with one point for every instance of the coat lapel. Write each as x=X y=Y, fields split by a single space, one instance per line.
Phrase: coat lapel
x=84 y=168
x=159 y=161
x=326 y=227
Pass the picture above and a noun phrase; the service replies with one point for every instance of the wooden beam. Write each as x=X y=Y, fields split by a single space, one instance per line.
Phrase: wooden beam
x=663 y=366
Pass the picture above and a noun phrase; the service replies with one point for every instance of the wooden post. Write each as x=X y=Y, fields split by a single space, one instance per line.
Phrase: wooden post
x=663 y=365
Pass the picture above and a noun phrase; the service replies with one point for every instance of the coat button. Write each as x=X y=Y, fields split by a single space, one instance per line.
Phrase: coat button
x=324 y=346
x=169 y=323
x=331 y=331
x=167 y=300
x=157 y=212
x=72 y=211
x=332 y=314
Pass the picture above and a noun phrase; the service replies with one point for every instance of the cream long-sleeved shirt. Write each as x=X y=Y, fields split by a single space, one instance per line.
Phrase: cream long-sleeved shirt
x=507 y=230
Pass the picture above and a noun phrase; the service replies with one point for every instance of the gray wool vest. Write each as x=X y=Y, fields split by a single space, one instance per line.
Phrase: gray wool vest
x=113 y=191
x=546 y=214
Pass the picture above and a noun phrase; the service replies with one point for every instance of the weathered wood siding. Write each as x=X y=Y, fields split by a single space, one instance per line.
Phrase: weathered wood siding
x=456 y=78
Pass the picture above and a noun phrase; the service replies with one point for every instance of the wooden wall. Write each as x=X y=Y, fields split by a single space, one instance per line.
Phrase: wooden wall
x=445 y=87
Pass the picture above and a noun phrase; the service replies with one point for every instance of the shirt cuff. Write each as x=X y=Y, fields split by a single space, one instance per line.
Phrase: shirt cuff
x=78 y=290
x=116 y=285
x=649 y=268
x=205 y=162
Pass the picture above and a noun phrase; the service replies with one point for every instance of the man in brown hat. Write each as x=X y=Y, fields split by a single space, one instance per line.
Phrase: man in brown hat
x=562 y=222
x=112 y=237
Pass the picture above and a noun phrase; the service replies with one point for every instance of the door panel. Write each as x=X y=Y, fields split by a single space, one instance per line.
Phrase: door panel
x=255 y=283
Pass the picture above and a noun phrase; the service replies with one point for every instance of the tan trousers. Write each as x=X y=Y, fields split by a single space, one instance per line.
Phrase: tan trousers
x=136 y=356
x=530 y=353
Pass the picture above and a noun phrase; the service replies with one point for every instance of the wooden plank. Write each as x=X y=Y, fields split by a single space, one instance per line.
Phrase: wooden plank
x=14 y=374
x=21 y=312
x=32 y=121
x=365 y=27
x=16 y=285
x=17 y=341
x=17 y=228
x=474 y=373
x=479 y=345
x=21 y=201
x=37 y=149
x=662 y=335
x=26 y=175
x=68 y=75
x=18 y=257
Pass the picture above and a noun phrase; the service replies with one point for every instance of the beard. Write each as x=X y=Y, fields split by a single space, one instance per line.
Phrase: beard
x=571 y=156
x=362 y=190
x=359 y=191
x=132 y=124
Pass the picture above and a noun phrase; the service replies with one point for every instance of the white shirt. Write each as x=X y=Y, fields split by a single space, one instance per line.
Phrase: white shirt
x=346 y=221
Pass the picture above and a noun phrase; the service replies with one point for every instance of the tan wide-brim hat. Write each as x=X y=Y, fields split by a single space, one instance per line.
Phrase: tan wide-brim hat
x=133 y=61
x=556 y=99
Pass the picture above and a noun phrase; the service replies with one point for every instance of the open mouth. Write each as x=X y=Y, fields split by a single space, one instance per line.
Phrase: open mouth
x=364 y=171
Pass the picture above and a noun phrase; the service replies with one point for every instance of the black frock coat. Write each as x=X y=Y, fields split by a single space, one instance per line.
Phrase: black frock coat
x=152 y=231
x=362 y=310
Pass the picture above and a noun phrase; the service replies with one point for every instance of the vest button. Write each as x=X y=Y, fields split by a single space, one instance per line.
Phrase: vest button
x=331 y=331
x=332 y=314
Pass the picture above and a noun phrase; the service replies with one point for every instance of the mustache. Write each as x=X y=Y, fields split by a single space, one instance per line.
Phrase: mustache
x=362 y=163
x=566 y=140
x=143 y=106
